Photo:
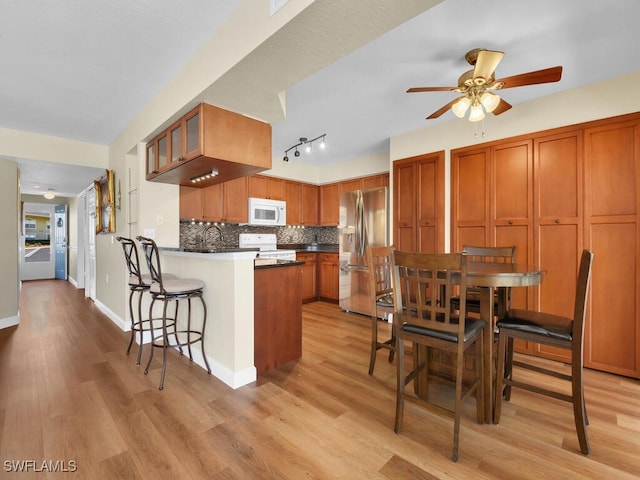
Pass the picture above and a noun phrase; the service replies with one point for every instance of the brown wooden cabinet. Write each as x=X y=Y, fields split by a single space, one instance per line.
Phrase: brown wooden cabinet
x=554 y=193
x=612 y=232
x=329 y=204
x=293 y=197
x=419 y=203
x=209 y=139
x=328 y=270
x=375 y=181
x=226 y=202
x=309 y=276
x=558 y=225
x=261 y=186
x=277 y=316
x=309 y=206
x=330 y=195
x=351 y=185
x=191 y=203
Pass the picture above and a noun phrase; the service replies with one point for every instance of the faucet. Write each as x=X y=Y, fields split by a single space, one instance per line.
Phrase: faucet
x=205 y=232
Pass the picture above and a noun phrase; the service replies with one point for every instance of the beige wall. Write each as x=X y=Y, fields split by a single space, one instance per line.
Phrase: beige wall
x=9 y=243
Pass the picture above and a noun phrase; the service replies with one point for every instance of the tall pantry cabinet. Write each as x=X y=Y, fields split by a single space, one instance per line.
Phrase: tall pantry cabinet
x=554 y=193
x=419 y=203
x=612 y=203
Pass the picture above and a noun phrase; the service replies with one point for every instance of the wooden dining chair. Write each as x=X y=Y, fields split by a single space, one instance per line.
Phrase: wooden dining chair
x=423 y=284
x=502 y=296
x=557 y=331
x=381 y=294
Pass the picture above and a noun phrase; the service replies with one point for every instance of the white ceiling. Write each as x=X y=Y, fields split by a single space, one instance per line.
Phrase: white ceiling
x=66 y=74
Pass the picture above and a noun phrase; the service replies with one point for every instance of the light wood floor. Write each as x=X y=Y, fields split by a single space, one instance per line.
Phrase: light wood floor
x=69 y=393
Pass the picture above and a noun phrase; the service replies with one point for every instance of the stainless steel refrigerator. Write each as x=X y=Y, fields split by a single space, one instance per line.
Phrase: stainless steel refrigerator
x=364 y=221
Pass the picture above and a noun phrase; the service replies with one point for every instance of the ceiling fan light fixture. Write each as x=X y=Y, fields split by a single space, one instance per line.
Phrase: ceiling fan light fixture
x=490 y=101
x=460 y=107
x=477 y=113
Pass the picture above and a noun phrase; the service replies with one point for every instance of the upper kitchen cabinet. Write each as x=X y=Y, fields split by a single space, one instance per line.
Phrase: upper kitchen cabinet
x=209 y=139
x=261 y=186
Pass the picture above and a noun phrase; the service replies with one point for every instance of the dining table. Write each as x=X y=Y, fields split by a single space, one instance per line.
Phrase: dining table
x=487 y=277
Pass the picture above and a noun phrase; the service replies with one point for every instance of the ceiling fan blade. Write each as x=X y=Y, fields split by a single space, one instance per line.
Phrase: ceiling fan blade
x=546 y=75
x=430 y=89
x=486 y=64
x=442 y=110
x=502 y=107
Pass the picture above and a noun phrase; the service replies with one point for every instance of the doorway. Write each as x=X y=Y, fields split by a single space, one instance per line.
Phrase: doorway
x=38 y=259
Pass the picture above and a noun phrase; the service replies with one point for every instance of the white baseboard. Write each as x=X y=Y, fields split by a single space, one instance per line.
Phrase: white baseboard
x=233 y=379
x=112 y=316
x=72 y=281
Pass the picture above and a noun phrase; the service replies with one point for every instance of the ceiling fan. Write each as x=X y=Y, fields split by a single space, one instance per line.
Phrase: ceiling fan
x=477 y=86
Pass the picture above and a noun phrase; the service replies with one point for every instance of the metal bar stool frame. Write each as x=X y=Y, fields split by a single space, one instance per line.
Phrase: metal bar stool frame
x=138 y=283
x=166 y=290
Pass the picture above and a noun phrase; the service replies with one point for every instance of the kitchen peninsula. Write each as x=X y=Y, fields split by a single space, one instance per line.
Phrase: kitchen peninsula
x=229 y=294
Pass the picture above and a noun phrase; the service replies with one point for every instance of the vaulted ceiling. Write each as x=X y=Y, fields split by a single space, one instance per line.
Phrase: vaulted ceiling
x=82 y=70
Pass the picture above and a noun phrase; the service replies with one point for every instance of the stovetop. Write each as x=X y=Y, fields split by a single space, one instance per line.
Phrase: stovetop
x=266 y=243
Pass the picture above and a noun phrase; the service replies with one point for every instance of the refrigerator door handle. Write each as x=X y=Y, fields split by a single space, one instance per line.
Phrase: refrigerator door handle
x=360 y=240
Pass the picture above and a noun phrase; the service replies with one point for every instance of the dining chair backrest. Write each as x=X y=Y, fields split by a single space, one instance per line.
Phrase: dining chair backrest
x=423 y=288
x=381 y=286
x=580 y=306
x=491 y=254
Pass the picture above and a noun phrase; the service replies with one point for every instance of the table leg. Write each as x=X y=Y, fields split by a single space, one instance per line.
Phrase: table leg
x=486 y=314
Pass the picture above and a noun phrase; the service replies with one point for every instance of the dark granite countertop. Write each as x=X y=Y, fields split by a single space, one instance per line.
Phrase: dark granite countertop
x=260 y=263
x=309 y=247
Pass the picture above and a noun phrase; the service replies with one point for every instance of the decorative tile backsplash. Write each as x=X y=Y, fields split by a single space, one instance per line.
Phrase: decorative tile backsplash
x=192 y=234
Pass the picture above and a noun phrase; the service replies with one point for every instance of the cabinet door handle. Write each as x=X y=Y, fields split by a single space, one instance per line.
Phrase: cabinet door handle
x=426 y=222
x=510 y=222
x=557 y=220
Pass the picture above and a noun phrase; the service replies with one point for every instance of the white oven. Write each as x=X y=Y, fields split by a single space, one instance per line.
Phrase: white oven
x=266 y=212
x=266 y=243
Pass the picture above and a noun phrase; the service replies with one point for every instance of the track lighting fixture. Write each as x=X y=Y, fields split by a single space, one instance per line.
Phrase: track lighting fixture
x=307 y=144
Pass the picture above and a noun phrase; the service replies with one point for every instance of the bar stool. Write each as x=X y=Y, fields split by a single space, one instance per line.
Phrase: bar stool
x=166 y=290
x=139 y=284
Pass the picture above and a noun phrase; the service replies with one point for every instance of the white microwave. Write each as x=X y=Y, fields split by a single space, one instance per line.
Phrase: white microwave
x=263 y=211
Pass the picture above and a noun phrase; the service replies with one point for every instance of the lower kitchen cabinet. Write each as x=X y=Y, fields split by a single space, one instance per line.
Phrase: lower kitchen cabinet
x=277 y=316
x=308 y=282
x=328 y=277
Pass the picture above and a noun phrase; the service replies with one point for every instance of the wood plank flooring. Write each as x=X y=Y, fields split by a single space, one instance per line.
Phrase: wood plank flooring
x=69 y=394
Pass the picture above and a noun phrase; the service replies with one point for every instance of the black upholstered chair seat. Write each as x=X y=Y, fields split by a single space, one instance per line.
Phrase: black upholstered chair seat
x=543 y=324
x=471 y=328
x=385 y=300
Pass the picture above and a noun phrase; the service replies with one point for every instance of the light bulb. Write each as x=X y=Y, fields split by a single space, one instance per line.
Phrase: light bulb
x=460 y=107
x=489 y=101
x=322 y=144
x=476 y=113
x=308 y=148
